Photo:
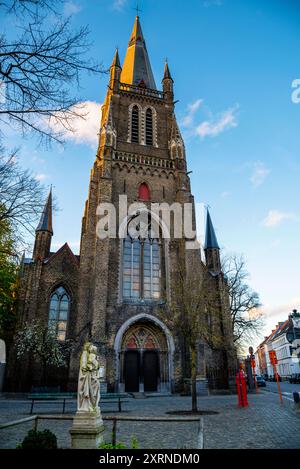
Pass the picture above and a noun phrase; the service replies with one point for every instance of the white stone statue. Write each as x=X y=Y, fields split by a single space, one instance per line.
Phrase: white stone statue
x=89 y=380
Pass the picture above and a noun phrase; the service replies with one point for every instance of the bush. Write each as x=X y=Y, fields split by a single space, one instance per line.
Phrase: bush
x=39 y=439
x=111 y=446
x=134 y=444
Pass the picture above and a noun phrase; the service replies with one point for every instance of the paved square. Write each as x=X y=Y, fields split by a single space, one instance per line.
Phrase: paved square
x=264 y=424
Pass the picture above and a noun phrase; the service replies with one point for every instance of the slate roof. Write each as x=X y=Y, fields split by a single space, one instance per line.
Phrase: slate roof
x=136 y=68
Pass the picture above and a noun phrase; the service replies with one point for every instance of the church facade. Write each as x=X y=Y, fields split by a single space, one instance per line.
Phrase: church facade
x=118 y=291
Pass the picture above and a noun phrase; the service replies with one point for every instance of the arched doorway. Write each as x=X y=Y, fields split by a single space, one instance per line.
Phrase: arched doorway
x=144 y=357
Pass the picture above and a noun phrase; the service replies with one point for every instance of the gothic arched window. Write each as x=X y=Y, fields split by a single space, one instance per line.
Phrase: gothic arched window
x=141 y=270
x=58 y=312
x=144 y=192
x=149 y=127
x=135 y=133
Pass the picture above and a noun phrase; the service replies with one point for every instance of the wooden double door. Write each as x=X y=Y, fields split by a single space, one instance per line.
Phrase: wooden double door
x=141 y=368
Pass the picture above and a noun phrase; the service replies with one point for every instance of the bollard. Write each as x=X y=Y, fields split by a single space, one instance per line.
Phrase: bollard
x=296 y=396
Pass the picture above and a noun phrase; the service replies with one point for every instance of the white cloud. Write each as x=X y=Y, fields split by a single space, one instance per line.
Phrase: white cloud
x=192 y=109
x=275 y=218
x=84 y=129
x=71 y=8
x=223 y=121
x=119 y=4
x=260 y=172
x=41 y=177
x=283 y=310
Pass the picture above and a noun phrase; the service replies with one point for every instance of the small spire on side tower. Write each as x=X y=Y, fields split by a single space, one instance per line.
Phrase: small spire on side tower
x=44 y=231
x=167 y=73
x=115 y=73
x=167 y=83
x=211 y=247
x=45 y=223
x=116 y=60
x=210 y=235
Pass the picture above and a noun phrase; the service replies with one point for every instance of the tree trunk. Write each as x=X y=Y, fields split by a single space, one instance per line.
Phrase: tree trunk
x=44 y=373
x=193 y=351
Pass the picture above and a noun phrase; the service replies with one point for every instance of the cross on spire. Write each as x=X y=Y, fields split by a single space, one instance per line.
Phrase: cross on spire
x=137 y=9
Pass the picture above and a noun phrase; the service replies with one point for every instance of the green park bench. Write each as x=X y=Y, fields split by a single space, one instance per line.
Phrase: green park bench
x=50 y=396
x=118 y=398
x=63 y=396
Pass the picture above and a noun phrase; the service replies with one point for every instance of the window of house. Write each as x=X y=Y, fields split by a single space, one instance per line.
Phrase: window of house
x=58 y=312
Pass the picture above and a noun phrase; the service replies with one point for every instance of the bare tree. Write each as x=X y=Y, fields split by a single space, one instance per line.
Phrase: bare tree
x=28 y=6
x=22 y=197
x=246 y=317
x=195 y=312
x=40 y=68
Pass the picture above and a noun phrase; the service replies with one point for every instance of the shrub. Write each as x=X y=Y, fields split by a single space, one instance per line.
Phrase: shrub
x=39 y=439
x=111 y=446
x=134 y=444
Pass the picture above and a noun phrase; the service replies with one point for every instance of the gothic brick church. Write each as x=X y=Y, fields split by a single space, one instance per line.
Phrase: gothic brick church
x=116 y=291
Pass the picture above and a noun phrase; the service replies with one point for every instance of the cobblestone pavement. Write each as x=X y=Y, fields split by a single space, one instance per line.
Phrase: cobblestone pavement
x=264 y=424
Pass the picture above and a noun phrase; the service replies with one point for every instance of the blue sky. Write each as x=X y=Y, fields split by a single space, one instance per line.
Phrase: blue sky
x=233 y=63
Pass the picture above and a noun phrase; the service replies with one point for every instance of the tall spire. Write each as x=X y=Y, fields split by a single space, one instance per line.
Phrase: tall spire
x=136 y=68
x=45 y=223
x=210 y=235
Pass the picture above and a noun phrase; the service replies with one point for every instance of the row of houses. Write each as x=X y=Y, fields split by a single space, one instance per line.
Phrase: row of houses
x=285 y=341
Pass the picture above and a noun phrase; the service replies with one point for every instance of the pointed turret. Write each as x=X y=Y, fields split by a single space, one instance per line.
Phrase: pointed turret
x=210 y=235
x=44 y=231
x=115 y=73
x=21 y=267
x=211 y=247
x=167 y=83
x=136 y=68
x=176 y=143
x=116 y=60
x=45 y=223
x=167 y=74
x=108 y=133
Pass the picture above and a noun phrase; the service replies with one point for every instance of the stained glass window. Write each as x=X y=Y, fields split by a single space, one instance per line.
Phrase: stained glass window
x=141 y=269
x=58 y=312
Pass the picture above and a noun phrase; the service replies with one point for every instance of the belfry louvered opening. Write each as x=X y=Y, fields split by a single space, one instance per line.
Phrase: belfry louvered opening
x=149 y=127
x=135 y=125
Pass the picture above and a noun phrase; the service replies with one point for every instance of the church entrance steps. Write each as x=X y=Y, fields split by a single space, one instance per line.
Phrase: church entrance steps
x=138 y=395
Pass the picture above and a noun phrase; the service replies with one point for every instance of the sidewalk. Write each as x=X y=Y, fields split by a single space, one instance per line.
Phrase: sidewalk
x=264 y=424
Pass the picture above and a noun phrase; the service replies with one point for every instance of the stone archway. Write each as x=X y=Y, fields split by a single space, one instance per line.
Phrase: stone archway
x=144 y=351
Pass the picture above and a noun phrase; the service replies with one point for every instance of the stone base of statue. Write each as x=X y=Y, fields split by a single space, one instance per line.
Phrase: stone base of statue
x=87 y=430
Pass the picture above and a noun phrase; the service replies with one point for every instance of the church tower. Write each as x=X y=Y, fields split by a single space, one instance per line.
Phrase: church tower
x=125 y=282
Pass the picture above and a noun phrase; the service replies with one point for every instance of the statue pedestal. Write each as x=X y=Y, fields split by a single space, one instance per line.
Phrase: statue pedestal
x=87 y=430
